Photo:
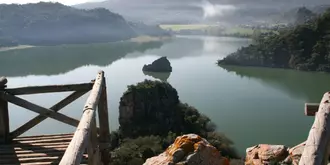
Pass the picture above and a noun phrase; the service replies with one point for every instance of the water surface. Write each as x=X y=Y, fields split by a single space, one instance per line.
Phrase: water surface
x=250 y=105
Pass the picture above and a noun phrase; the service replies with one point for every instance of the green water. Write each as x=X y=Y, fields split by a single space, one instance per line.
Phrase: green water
x=249 y=105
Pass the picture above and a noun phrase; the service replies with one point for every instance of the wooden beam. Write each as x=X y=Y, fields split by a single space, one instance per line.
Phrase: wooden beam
x=50 y=89
x=317 y=148
x=3 y=81
x=76 y=148
x=4 y=122
x=38 y=119
x=104 y=132
x=4 y=115
x=38 y=109
x=311 y=108
x=94 y=157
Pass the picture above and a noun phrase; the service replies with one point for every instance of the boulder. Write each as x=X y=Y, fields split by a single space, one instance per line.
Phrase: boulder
x=160 y=65
x=189 y=149
x=266 y=154
x=295 y=154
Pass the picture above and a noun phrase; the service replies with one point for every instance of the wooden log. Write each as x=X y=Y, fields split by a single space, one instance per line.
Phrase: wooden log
x=3 y=81
x=94 y=157
x=38 y=119
x=104 y=132
x=311 y=108
x=4 y=122
x=4 y=115
x=317 y=148
x=38 y=109
x=74 y=152
x=50 y=89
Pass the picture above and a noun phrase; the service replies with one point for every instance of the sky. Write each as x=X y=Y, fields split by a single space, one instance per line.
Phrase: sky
x=66 y=2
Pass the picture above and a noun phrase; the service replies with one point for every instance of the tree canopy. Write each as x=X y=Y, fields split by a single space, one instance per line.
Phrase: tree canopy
x=303 y=47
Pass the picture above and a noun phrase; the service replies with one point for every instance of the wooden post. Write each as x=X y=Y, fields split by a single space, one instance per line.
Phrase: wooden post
x=93 y=151
x=104 y=133
x=77 y=146
x=4 y=116
x=311 y=108
x=317 y=148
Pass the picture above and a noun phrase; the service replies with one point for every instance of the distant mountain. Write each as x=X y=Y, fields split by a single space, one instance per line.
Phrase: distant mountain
x=194 y=11
x=152 y=11
x=53 y=23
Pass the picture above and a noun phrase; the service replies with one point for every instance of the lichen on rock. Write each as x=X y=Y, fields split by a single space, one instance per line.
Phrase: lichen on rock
x=189 y=149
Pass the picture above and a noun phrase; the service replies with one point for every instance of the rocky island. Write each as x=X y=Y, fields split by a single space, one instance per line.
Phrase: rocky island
x=160 y=65
x=152 y=117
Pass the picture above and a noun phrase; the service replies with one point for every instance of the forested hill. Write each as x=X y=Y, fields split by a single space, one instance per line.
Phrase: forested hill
x=53 y=23
x=304 y=47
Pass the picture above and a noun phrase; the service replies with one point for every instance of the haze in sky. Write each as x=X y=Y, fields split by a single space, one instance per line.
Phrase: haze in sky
x=66 y=2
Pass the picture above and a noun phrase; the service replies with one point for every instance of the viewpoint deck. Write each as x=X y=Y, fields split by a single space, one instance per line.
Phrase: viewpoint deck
x=87 y=145
x=39 y=150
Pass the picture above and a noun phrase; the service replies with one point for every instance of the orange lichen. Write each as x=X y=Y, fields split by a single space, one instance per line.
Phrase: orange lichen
x=186 y=143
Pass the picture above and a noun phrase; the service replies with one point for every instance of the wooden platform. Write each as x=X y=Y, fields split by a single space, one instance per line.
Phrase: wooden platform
x=39 y=150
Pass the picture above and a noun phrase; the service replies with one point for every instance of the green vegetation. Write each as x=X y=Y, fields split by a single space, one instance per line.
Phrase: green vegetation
x=214 y=30
x=151 y=117
x=304 y=47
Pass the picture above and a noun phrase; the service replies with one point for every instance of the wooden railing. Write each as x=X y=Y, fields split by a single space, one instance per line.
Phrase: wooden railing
x=317 y=146
x=87 y=134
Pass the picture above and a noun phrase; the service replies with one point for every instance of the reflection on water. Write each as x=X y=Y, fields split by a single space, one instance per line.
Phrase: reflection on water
x=52 y=60
x=163 y=76
x=309 y=86
x=247 y=104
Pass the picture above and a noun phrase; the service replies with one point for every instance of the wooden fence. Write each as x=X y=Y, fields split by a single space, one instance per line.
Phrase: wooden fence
x=87 y=135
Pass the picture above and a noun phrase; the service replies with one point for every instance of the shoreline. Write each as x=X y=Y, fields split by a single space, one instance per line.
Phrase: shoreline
x=139 y=39
x=2 y=49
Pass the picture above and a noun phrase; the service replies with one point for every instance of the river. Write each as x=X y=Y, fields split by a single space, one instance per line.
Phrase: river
x=249 y=105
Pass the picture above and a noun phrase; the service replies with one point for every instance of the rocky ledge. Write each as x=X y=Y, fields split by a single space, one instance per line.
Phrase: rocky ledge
x=273 y=154
x=160 y=65
x=189 y=149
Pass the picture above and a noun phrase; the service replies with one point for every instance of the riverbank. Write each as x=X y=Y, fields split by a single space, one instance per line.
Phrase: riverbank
x=143 y=39
x=16 y=47
x=140 y=39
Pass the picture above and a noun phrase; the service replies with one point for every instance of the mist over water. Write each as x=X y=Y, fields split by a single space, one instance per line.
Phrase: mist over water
x=212 y=10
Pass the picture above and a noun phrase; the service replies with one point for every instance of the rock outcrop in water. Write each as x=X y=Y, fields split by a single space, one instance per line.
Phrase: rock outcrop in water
x=153 y=108
x=149 y=107
x=160 y=65
x=189 y=149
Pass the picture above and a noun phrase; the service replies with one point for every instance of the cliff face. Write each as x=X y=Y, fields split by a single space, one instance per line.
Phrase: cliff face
x=149 y=107
x=153 y=108
x=189 y=149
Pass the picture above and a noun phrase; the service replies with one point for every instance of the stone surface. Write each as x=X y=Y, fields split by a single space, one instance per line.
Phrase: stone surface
x=266 y=154
x=160 y=65
x=295 y=154
x=189 y=149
